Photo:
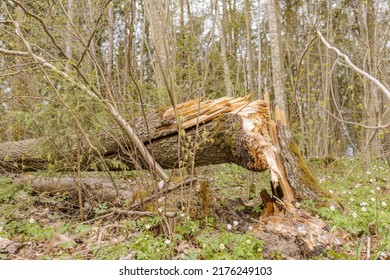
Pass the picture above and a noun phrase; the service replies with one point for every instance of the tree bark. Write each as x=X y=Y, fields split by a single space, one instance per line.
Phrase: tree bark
x=277 y=62
x=229 y=131
x=155 y=12
x=69 y=41
x=226 y=68
x=111 y=30
x=259 y=55
x=248 y=31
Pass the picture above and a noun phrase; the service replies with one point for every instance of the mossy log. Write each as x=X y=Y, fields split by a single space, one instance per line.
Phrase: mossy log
x=225 y=130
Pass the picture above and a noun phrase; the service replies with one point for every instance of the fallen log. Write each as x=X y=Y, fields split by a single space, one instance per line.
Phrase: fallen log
x=227 y=130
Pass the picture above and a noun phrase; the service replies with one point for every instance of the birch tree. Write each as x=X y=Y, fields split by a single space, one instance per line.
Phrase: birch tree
x=276 y=57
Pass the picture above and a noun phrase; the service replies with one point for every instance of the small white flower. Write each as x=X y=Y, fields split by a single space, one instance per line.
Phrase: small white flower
x=160 y=210
x=354 y=214
x=378 y=188
x=147 y=226
x=364 y=209
x=331 y=208
x=372 y=199
x=31 y=220
x=248 y=241
x=383 y=203
x=363 y=204
x=357 y=185
x=221 y=246
x=349 y=192
x=368 y=173
x=372 y=191
x=161 y=184
x=167 y=242
x=372 y=180
x=330 y=191
x=344 y=192
x=182 y=215
x=351 y=199
x=235 y=223
x=297 y=205
x=229 y=226
x=250 y=228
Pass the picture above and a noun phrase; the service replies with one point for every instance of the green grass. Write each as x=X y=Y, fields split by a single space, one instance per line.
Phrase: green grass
x=365 y=196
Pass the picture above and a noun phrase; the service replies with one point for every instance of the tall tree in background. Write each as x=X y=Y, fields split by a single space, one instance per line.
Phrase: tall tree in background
x=222 y=34
x=69 y=22
x=371 y=96
x=276 y=56
x=111 y=31
x=259 y=53
x=155 y=11
x=249 y=50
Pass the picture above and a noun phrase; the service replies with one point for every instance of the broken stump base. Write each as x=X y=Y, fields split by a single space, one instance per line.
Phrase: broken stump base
x=297 y=235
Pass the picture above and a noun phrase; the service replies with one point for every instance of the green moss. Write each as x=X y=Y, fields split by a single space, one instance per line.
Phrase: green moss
x=307 y=178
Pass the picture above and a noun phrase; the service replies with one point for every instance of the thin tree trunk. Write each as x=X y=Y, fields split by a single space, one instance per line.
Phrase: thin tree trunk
x=155 y=10
x=249 y=50
x=276 y=57
x=68 y=41
x=372 y=141
x=111 y=30
x=226 y=70
x=129 y=49
x=259 y=55
x=142 y=45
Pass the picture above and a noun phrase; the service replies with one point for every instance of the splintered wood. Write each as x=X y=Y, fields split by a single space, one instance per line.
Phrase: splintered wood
x=258 y=136
x=243 y=133
x=198 y=112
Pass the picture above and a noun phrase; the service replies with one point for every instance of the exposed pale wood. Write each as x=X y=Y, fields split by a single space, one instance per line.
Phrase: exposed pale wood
x=298 y=235
x=238 y=131
x=280 y=116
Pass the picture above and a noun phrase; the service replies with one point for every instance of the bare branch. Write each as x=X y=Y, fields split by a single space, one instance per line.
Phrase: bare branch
x=110 y=107
x=9 y=52
x=357 y=123
x=385 y=90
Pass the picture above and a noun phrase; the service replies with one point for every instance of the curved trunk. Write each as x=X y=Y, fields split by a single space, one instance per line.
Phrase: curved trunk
x=229 y=131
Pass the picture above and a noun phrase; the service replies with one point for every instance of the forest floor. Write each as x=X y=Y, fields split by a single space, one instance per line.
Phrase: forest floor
x=48 y=226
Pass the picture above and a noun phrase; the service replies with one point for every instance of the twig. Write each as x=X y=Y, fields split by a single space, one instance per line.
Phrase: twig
x=186 y=182
x=103 y=230
x=144 y=213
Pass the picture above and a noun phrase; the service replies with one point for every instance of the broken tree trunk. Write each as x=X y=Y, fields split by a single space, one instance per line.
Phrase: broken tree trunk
x=227 y=130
